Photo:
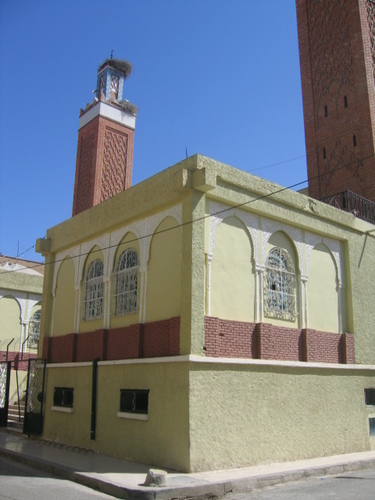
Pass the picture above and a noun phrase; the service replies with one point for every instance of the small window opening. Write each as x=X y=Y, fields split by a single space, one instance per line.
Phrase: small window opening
x=354 y=141
x=370 y=397
x=324 y=154
x=325 y=110
x=63 y=396
x=134 y=401
x=371 y=422
x=345 y=101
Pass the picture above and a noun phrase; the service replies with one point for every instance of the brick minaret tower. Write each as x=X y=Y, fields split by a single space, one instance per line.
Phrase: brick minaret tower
x=105 y=140
x=337 y=56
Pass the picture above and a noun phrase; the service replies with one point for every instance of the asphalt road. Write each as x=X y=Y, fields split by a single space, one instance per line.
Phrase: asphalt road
x=20 y=482
x=358 y=485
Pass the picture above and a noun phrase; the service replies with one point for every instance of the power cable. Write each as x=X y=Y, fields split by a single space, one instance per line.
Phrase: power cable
x=239 y=205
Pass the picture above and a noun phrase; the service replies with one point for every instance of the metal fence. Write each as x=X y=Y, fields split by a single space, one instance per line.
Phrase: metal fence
x=352 y=202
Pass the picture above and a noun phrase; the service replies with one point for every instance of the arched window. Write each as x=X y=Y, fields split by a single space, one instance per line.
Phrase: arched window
x=280 y=285
x=34 y=328
x=125 y=283
x=93 y=291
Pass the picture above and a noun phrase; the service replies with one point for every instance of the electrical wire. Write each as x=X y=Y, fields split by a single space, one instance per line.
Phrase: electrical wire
x=239 y=205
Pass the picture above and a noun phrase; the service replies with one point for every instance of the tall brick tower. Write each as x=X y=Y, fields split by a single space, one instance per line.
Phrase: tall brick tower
x=105 y=139
x=337 y=56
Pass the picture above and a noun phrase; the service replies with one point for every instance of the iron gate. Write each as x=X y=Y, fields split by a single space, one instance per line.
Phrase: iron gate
x=4 y=392
x=33 y=422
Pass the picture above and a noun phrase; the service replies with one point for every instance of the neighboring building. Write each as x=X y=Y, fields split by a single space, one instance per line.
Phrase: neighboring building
x=21 y=286
x=337 y=55
x=204 y=318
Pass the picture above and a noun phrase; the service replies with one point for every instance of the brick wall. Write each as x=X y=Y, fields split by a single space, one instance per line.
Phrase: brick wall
x=160 y=338
x=18 y=361
x=276 y=342
x=235 y=339
x=338 y=94
x=322 y=346
x=230 y=339
x=104 y=162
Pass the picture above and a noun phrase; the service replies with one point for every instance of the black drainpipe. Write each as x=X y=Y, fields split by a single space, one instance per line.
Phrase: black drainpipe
x=93 y=398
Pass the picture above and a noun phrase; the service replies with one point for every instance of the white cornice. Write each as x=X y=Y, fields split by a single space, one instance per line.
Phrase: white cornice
x=192 y=358
x=107 y=111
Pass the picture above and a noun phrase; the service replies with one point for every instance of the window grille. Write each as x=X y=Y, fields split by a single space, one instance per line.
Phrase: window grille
x=134 y=400
x=280 y=285
x=63 y=396
x=93 y=291
x=34 y=328
x=125 y=283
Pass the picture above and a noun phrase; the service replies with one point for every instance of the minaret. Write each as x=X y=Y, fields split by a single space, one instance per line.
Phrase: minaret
x=337 y=56
x=105 y=139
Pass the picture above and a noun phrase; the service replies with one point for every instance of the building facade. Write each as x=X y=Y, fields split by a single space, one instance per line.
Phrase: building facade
x=210 y=321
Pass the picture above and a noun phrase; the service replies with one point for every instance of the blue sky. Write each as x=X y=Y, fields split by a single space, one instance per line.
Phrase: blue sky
x=215 y=77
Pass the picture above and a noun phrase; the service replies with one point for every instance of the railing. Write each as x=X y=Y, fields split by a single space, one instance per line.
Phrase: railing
x=352 y=202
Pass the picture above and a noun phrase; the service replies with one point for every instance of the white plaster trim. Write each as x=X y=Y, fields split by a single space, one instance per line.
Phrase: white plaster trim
x=83 y=364
x=259 y=298
x=132 y=416
x=151 y=223
x=219 y=212
x=62 y=409
x=117 y=236
x=103 y=243
x=194 y=358
x=107 y=111
x=208 y=278
x=333 y=246
x=269 y=227
x=292 y=364
x=73 y=253
x=146 y=361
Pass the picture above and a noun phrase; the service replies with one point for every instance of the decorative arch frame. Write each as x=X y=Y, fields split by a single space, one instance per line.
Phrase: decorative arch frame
x=220 y=212
x=294 y=235
x=108 y=244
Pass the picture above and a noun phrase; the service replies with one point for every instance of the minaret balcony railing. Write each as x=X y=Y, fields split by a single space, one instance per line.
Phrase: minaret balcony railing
x=352 y=202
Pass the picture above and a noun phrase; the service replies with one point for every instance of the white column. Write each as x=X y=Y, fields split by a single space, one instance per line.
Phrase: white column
x=107 y=302
x=23 y=332
x=259 y=297
x=208 y=285
x=142 y=293
x=303 y=298
x=77 y=312
x=339 y=308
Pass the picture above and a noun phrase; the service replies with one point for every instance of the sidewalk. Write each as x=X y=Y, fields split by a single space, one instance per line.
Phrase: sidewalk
x=124 y=479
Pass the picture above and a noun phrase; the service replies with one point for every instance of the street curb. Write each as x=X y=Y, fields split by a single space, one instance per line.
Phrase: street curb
x=202 y=491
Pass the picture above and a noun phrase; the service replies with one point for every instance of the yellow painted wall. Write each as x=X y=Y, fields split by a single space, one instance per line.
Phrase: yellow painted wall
x=241 y=415
x=129 y=241
x=164 y=272
x=63 y=427
x=64 y=307
x=232 y=275
x=322 y=295
x=10 y=322
x=163 y=439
